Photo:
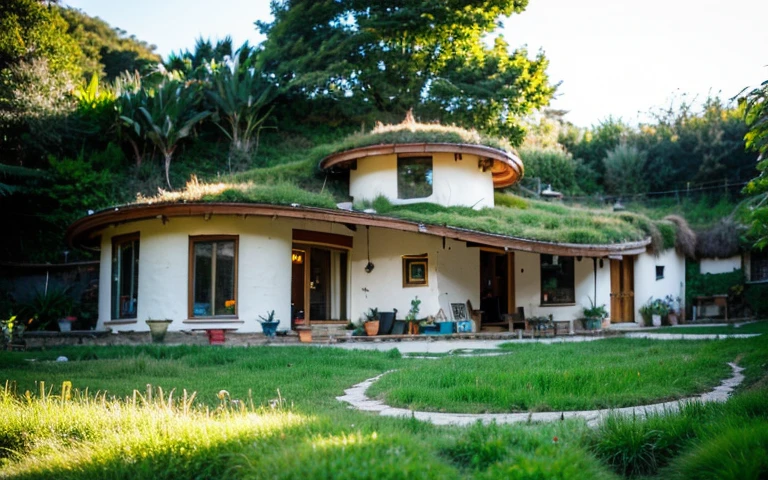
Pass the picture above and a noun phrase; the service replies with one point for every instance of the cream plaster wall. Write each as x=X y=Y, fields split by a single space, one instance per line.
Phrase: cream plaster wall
x=263 y=260
x=528 y=286
x=454 y=273
x=720 y=265
x=646 y=285
x=454 y=183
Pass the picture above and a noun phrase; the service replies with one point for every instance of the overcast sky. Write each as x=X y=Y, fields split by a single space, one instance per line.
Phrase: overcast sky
x=615 y=58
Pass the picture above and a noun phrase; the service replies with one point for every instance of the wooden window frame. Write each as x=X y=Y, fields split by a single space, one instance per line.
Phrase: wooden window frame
x=415 y=157
x=410 y=261
x=549 y=303
x=307 y=247
x=193 y=239
x=116 y=241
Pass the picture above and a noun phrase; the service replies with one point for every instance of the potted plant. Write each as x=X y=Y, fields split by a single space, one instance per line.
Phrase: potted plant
x=158 y=329
x=412 y=317
x=65 y=322
x=594 y=315
x=229 y=306
x=372 y=322
x=673 y=305
x=269 y=324
x=653 y=311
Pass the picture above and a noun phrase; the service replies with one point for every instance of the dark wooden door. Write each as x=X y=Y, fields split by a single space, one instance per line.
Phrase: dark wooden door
x=623 y=290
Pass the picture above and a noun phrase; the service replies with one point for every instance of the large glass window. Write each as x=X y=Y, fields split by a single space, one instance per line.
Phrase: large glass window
x=414 y=177
x=213 y=276
x=125 y=276
x=557 y=284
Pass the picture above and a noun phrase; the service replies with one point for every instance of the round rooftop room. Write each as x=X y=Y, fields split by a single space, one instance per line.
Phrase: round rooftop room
x=413 y=163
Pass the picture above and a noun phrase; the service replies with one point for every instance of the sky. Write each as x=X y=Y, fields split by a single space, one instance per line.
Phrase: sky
x=613 y=58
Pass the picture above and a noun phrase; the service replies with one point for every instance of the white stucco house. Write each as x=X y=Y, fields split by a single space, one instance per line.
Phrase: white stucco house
x=210 y=265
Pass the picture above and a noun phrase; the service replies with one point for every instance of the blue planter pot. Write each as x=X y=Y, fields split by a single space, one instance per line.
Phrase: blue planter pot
x=445 y=328
x=270 y=328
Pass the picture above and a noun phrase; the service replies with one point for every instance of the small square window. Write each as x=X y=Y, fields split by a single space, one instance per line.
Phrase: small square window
x=659 y=272
x=414 y=177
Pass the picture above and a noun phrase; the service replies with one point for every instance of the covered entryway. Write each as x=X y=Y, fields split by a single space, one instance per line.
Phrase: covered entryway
x=623 y=289
x=319 y=278
x=497 y=285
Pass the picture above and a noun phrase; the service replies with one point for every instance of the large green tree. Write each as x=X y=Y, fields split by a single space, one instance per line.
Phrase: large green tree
x=386 y=56
x=756 y=115
x=33 y=30
x=107 y=51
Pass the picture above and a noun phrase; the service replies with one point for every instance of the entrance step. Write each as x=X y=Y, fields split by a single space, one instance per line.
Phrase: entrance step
x=324 y=332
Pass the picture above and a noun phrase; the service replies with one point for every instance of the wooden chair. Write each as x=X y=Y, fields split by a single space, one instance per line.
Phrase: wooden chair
x=475 y=315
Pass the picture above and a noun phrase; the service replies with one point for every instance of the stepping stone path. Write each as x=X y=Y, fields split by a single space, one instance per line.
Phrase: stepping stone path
x=357 y=399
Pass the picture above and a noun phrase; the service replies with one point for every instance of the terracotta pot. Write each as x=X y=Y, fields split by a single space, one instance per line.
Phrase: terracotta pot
x=305 y=335
x=672 y=319
x=372 y=328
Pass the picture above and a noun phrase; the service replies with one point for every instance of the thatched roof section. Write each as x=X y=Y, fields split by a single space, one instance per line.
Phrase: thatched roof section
x=685 y=240
x=720 y=241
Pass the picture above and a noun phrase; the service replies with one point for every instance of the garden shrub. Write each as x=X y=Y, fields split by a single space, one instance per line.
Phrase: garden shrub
x=756 y=295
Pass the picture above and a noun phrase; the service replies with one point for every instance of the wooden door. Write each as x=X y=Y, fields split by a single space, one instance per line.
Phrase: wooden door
x=623 y=290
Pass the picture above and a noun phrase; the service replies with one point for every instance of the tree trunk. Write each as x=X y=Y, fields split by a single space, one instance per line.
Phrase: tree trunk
x=168 y=168
x=136 y=153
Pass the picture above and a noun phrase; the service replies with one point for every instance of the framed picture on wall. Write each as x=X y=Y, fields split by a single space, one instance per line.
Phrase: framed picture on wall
x=459 y=311
x=415 y=270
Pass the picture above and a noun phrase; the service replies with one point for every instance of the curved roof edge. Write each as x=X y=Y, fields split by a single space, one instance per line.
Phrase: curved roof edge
x=82 y=232
x=507 y=167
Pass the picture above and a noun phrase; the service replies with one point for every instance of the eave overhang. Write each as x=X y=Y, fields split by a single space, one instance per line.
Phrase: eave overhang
x=84 y=232
x=507 y=168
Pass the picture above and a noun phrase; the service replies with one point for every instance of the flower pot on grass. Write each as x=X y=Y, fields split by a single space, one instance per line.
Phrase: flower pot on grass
x=158 y=329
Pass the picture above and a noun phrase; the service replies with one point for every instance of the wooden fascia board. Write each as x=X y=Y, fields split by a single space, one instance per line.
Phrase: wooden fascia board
x=87 y=227
x=512 y=164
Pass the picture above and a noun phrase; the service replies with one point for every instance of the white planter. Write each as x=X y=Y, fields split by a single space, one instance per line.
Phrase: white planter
x=656 y=320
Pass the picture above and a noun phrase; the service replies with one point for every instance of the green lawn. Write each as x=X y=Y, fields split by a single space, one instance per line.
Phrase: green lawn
x=279 y=417
x=757 y=327
x=567 y=376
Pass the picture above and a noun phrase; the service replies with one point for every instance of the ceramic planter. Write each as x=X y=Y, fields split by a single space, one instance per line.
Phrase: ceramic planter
x=65 y=324
x=592 y=323
x=372 y=328
x=269 y=328
x=158 y=329
x=305 y=334
x=656 y=320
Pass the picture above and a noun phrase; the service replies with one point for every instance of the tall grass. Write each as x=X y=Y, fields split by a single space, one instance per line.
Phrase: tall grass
x=700 y=441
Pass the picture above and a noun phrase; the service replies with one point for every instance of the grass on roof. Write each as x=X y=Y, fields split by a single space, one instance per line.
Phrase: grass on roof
x=513 y=216
x=410 y=131
x=302 y=182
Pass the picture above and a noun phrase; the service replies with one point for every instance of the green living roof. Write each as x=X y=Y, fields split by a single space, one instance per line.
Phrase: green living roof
x=301 y=182
x=513 y=216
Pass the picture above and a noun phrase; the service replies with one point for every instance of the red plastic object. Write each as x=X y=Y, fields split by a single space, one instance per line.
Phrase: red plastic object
x=215 y=337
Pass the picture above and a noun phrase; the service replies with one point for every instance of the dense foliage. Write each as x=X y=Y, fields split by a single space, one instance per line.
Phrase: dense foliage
x=756 y=111
x=363 y=59
x=89 y=118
